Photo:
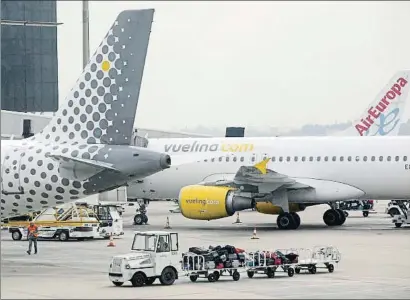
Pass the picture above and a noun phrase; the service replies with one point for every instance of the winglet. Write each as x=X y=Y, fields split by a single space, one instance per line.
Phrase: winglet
x=261 y=166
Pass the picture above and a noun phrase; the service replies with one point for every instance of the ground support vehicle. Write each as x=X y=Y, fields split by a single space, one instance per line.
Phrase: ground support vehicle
x=320 y=257
x=401 y=218
x=195 y=266
x=154 y=255
x=269 y=262
x=395 y=207
x=365 y=206
x=72 y=221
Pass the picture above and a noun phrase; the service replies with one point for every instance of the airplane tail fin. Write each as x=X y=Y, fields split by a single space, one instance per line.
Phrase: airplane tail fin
x=101 y=107
x=384 y=115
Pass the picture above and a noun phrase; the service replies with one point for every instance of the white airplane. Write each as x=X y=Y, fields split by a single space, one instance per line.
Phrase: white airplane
x=300 y=171
x=86 y=149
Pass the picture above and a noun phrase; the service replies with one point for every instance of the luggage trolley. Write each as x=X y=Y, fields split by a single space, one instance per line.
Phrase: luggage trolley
x=195 y=266
x=270 y=262
x=320 y=257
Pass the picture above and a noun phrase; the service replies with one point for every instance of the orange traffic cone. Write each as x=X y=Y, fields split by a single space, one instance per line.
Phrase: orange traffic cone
x=238 y=221
x=167 y=226
x=254 y=237
x=111 y=243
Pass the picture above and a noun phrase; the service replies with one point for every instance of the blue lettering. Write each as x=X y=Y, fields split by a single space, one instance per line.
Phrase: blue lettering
x=384 y=121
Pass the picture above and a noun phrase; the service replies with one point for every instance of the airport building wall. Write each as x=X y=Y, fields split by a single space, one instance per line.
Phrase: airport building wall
x=29 y=63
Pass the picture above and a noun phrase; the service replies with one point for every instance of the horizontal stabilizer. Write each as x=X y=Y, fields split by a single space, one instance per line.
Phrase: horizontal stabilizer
x=74 y=168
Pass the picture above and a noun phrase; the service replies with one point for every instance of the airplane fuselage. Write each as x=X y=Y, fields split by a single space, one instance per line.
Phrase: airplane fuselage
x=378 y=166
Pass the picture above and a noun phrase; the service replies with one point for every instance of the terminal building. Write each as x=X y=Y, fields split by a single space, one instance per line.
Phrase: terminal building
x=29 y=69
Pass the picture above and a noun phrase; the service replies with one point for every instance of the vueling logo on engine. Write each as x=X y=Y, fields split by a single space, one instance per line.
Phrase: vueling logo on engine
x=206 y=147
x=374 y=113
x=201 y=201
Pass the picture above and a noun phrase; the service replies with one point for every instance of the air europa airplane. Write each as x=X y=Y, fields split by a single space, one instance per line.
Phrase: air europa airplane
x=284 y=175
x=86 y=149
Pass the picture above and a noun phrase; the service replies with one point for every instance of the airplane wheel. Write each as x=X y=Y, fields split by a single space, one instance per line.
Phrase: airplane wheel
x=138 y=219
x=297 y=219
x=342 y=217
x=346 y=213
x=145 y=219
x=331 y=217
x=365 y=214
x=286 y=221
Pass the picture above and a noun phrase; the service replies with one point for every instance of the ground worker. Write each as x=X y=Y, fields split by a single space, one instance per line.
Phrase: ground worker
x=32 y=234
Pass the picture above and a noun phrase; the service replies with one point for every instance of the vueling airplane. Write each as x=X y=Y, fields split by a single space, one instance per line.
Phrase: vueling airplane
x=284 y=175
x=86 y=149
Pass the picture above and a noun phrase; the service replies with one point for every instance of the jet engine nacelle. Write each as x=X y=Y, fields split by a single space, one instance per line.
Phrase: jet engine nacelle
x=201 y=202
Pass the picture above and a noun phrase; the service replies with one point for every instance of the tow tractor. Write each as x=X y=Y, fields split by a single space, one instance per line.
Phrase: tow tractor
x=72 y=221
x=365 y=206
x=154 y=255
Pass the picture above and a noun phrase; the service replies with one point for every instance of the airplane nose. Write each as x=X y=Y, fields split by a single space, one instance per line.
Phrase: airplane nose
x=165 y=161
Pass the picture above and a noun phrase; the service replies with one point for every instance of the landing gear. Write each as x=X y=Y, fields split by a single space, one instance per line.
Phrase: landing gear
x=141 y=217
x=288 y=221
x=334 y=217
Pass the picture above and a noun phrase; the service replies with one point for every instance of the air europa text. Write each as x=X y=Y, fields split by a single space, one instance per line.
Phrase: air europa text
x=374 y=113
x=207 y=147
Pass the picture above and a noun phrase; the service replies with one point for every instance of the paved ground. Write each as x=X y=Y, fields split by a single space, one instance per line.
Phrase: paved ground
x=375 y=260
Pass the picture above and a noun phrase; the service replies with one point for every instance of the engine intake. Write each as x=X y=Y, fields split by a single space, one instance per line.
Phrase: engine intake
x=200 y=202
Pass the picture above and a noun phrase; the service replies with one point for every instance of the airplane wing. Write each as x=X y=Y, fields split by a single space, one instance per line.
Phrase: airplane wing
x=262 y=183
x=258 y=175
x=79 y=168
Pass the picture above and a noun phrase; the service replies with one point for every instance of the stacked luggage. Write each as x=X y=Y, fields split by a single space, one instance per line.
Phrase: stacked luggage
x=267 y=258
x=219 y=257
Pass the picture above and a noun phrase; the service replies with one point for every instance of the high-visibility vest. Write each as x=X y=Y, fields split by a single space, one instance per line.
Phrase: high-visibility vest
x=32 y=229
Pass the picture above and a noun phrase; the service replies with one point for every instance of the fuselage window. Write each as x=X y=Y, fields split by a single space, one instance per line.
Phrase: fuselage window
x=296 y=158
x=227 y=159
x=303 y=158
x=311 y=158
x=273 y=158
x=397 y=158
x=404 y=158
x=381 y=158
x=373 y=158
x=212 y=159
x=334 y=158
x=220 y=159
x=364 y=158
x=205 y=160
x=234 y=159
x=341 y=158
x=349 y=158
x=318 y=158
x=357 y=158
x=280 y=158
x=326 y=158
x=288 y=158
x=242 y=158
x=253 y=158
x=388 y=158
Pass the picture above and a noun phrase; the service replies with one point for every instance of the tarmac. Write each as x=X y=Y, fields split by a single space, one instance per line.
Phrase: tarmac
x=375 y=260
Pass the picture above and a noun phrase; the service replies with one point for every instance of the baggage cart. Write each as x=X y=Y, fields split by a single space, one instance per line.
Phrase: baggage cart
x=320 y=257
x=269 y=262
x=197 y=266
